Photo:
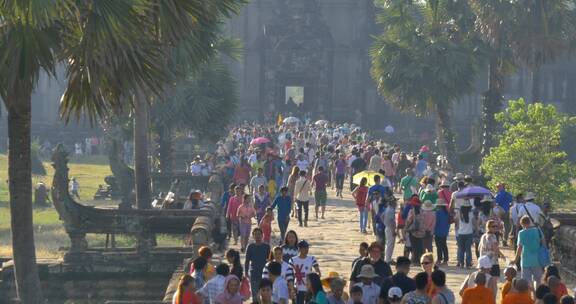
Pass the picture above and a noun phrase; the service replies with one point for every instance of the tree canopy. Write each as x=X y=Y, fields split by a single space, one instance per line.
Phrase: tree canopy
x=424 y=61
x=529 y=157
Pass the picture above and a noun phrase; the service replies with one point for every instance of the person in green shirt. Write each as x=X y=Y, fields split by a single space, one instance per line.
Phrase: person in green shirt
x=258 y=164
x=429 y=194
x=408 y=184
x=315 y=289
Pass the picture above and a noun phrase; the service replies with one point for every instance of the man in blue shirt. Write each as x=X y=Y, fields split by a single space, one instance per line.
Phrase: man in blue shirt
x=284 y=204
x=504 y=200
x=421 y=166
x=382 y=190
x=376 y=186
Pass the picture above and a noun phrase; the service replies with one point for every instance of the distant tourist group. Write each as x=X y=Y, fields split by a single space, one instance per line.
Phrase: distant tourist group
x=276 y=172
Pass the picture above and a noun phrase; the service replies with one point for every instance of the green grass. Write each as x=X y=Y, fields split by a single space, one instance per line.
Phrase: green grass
x=88 y=170
x=49 y=232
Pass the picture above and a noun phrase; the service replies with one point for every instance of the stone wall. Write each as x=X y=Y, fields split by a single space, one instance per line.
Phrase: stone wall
x=96 y=283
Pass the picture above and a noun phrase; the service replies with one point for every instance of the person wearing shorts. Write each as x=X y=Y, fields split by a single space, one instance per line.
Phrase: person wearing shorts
x=320 y=181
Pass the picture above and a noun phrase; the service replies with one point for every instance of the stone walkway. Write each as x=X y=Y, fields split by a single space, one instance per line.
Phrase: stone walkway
x=334 y=241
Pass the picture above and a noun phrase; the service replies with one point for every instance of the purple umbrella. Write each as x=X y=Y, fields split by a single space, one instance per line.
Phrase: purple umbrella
x=473 y=191
x=259 y=140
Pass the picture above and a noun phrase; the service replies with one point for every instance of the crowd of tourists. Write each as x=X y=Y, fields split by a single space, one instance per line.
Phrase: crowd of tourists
x=276 y=172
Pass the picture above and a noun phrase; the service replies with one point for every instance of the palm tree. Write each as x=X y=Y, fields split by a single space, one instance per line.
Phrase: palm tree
x=422 y=63
x=29 y=42
x=492 y=25
x=203 y=103
x=543 y=31
x=123 y=54
x=527 y=32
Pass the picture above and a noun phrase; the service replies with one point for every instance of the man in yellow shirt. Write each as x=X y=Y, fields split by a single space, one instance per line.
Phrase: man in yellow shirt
x=480 y=294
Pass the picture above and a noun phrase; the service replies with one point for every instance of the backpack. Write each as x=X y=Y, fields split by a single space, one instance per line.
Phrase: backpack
x=378 y=219
x=415 y=227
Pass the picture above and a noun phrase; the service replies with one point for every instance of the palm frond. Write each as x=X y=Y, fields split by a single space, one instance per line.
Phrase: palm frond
x=204 y=102
x=110 y=56
x=418 y=61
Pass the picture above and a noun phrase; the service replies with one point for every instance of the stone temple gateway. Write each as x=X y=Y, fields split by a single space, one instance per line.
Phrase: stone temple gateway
x=316 y=48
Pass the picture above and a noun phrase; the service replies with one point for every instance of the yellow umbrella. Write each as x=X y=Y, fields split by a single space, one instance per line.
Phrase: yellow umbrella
x=369 y=175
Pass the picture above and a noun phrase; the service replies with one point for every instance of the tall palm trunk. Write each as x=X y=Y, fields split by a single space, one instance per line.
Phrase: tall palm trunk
x=446 y=135
x=491 y=104
x=20 y=187
x=536 y=79
x=141 y=166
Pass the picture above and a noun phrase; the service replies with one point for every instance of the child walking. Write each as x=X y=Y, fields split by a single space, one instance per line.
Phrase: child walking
x=266 y=224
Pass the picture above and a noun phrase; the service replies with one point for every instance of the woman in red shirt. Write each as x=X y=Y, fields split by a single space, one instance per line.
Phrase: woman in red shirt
x=185 y=294
x=242 y=173
x=360 y=193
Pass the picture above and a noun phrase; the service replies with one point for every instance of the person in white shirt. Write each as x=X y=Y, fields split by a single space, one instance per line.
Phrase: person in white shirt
x=196 y=166
x=194 y=200
x=74 y=187
x=309 y=150
x=215 y=286
x=389 y=220
x=258 y=180
x=280 y=294
x=302 y=163
x=370 y=290
x=253 y=158
x=514 y=212
x=456 y=203
x=302 y=195
x=303 y=264
x=386 y=183
x=375 y=161
x=531 y=209
x=464 y=218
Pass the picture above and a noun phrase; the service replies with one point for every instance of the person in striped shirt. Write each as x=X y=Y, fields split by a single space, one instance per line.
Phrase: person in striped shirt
x=287 y=270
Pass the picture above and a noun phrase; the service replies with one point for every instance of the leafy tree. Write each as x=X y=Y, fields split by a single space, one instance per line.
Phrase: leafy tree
x=529 y=157
x=424 y=61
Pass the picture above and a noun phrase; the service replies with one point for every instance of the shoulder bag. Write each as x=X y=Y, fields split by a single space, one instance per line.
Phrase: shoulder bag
x=543 y=252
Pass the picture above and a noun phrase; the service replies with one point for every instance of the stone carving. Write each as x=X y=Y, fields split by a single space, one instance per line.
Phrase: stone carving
x=297 y=50
x=80 y=220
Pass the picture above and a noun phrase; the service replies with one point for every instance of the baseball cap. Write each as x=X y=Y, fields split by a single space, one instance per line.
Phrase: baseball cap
x=484 y=262
x=395 y=293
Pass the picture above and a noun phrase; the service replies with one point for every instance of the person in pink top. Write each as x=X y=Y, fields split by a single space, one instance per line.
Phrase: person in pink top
x=389 y=169
x=266 y=224
x=429 y=223
x=245 y=214
x=232 y=212
x=242 y=172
